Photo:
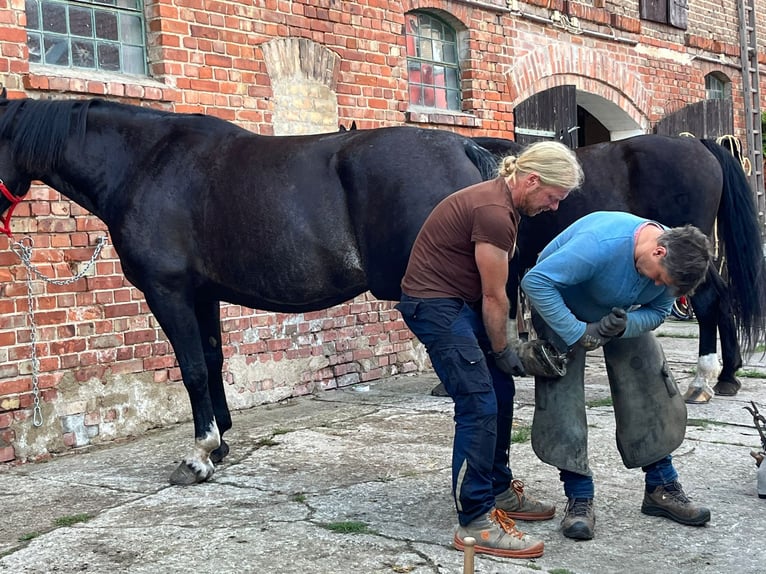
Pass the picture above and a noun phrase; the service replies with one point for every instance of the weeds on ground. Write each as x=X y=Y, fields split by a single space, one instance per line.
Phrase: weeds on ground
x=521 y=434
x=350 y=527
x=605 y=402
x=751 y=374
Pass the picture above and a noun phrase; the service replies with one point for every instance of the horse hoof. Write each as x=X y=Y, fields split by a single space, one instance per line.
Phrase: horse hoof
x=727 y=388
x=218 y=454
x=186 y=475
x=698 y=395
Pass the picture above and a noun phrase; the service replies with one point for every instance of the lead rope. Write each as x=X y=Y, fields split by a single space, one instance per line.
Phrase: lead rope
x=23 y=249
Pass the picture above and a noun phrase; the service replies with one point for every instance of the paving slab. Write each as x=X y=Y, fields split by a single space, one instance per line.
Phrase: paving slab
x=358 y=481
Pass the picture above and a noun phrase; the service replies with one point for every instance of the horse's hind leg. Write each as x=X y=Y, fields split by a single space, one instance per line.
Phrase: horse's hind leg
x=705 y=305
x=728 y=384
x=209 y=317
x=178 y=319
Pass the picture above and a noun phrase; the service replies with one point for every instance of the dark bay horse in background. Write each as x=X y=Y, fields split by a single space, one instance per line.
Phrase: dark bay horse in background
x=202 y=211
x=676 y=181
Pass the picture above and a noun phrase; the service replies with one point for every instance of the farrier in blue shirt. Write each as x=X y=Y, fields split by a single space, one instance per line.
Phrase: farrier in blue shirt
x=590 y=268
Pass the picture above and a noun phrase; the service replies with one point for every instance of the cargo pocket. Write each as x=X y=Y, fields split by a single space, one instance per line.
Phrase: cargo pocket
x=464 y=369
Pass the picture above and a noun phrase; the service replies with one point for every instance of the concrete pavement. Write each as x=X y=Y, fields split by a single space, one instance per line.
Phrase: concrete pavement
x=358 y=481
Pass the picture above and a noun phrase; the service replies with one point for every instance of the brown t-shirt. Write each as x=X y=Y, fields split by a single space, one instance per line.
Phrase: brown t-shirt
x=442 y=262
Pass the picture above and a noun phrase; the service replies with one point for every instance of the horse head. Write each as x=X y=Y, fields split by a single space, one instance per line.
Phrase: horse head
x=14 y=180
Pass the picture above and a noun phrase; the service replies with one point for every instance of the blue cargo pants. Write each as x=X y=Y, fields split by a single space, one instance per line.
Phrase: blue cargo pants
x=457 y=344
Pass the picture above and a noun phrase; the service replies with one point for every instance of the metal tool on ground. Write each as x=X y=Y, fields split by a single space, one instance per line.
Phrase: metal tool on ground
x=760 y=425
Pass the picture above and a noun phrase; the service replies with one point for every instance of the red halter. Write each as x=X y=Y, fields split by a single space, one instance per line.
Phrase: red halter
x=5 y=219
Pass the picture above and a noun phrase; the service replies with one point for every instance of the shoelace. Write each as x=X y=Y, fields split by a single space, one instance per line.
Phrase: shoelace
x=579 y=507
x=505 y=522
x=518 y=487
x=674 y=490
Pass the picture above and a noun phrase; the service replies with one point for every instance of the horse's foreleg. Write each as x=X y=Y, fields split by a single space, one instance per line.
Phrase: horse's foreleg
x=209 y=318
x=179 y=322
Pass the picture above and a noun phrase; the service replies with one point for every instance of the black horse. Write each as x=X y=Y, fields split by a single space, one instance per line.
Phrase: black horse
x=675 y=180
x=201 y=211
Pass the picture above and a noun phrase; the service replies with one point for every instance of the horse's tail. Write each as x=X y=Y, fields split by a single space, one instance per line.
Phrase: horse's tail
x=740 y=232
x=484 y=160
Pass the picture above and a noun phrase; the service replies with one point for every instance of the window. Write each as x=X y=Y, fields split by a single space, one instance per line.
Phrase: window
x=671 y=12
x=432 y=62
x=717 y=87
x=103 y=35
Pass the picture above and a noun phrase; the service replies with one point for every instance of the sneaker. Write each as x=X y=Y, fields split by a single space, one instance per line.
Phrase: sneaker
x=670 y=501
x=579 y=519
x=495 y=533
x=520 y=506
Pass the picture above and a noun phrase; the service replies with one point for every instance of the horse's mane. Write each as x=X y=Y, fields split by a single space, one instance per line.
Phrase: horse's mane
x=37 y=130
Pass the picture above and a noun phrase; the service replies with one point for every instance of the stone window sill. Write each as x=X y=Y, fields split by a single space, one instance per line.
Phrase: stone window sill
x=417 y=115
x=96 y=83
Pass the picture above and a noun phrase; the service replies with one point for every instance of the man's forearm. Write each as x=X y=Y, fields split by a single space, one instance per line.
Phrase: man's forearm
x=495 y=315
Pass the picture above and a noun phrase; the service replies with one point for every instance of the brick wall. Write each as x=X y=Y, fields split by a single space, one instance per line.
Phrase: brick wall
x=277 y=67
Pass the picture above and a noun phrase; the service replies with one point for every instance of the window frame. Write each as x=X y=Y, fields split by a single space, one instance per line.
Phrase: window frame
x=723 y=86
x=445 y=95
x=117 y=32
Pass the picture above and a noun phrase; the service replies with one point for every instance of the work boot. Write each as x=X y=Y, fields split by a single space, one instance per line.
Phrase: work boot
x=520 y=506
x=670 y=501
x=495 y=533
x=579 y=519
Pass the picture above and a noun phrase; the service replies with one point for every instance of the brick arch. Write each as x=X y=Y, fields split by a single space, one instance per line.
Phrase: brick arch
x=289 y=57
x=588 y=70
x=304 y=78
x=457 y=17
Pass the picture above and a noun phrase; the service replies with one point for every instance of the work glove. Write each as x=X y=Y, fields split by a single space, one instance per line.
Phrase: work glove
x=508 y=361
x=599 y=334
x=541 y=359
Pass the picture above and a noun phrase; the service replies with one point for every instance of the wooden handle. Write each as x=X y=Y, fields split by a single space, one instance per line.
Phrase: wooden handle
x=468 y=555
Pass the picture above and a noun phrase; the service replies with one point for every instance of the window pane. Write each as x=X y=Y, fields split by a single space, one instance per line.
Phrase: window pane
x=426 y=74
x=131 y=4
x=80 y=23
x=416 y=95
x=438 y=51
x=133 y=60
x=56 y=50
x=440 y=98
x=130 y=30
x=83 y=54
x=106 y=25
x=439 y=76
x=108 y=57
x=33 y=45
x=449 y=54
x=451 y=75
x=33 y=18
x=425 y=50
x=428 y=97
x=453 y=100
x=54 y=17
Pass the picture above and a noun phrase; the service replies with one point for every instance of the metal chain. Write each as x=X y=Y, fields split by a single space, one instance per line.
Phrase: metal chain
x=23 y=249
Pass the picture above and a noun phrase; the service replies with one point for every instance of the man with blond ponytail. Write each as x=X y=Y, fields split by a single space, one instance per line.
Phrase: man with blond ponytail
x=454 y=300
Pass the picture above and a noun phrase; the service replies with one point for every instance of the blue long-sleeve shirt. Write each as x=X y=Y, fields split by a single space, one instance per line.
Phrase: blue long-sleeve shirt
x=590 y=268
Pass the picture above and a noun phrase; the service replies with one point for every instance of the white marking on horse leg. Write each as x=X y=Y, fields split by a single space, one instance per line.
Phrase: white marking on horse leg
x=199 y=460
x=708 y=368
x=700 y=389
